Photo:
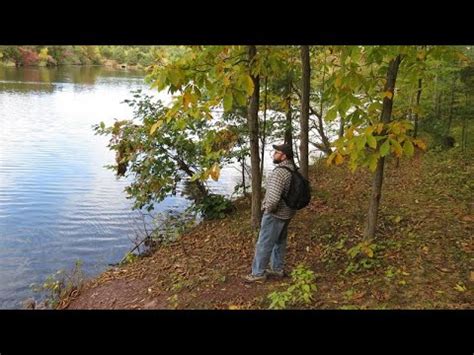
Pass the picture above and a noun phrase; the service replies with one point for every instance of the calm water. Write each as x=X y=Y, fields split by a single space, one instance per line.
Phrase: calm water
x=58 y=203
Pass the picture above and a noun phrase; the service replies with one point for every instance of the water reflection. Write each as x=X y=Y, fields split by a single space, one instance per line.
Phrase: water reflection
x=57 y=202
x=87 y=75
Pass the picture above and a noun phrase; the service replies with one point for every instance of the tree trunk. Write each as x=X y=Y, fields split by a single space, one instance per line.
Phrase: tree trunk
x=254 y=151
x=324 y=139
x=450 y=117
x=243 y=176
x=304 y=116
x=288 y=124
x=198 y=183
x=418 y=94
x=341 y=127
x=264 y=134
x=378 y=178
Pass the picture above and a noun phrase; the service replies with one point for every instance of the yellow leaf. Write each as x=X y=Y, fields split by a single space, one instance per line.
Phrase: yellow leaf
x=226 y=81
x=215 y=172
x=350 y=133
x=337 y=83
x=233 y=307
x=420 y=144
x=370 y=253
x=330 y=159
x=249 y=86
x=187 y=98
x=379 y=128
x=339 y=159
x=369 y=130
x=155 y=126
x=388 y=94
x=459 y=287
x=395 y=128
x=397 y=148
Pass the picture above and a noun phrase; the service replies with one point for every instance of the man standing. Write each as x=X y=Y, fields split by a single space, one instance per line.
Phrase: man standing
x=271 y=244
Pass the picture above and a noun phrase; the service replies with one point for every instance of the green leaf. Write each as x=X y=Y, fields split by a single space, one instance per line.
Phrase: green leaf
x=375 y=106
x=371 y=141
x=344 y=105
x=331 y=114
x=360 y=141
x=248 y=84
x=385 y=148
x=397 y=148
x=408 y=148
x=181 y=124
x=240 y=98
x=228 y=100
x=174 y=77
x=373 y=162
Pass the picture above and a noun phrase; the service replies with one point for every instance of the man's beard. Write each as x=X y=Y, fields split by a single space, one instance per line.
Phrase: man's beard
x=277 y=161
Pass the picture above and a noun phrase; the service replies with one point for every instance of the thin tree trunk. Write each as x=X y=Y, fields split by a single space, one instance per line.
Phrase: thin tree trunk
x=378 y=178
x=288 y=124
x=254 y=151
x=418 y=94
x=341 y=127
x=199 y=184
x=264 y=134
x=243 y=176
x=324 y=138
x=296 y=155
x=304 y=116
x=325 y=146
x=450 y=117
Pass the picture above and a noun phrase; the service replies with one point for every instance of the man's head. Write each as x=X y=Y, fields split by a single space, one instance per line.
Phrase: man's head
x=282 y=152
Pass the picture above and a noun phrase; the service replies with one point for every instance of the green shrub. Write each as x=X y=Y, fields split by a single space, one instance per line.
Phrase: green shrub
x=214 y=206
x=298 y=293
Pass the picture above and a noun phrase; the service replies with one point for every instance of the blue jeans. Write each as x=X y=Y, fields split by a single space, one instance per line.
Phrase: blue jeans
x=271 y=244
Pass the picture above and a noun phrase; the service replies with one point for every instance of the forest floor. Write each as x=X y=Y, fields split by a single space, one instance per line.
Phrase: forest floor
x=422 y=255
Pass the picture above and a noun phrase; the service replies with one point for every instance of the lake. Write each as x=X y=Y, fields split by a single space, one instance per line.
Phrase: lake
x=58 y=203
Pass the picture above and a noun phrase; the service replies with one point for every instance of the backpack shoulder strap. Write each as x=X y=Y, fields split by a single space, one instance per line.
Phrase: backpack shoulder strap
x=286 y=168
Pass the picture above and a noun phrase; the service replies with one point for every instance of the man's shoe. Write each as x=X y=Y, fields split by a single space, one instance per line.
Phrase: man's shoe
x=275 y=273
x=253 y=278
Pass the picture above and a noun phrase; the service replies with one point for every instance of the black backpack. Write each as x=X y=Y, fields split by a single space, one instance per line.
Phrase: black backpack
x=299 y=193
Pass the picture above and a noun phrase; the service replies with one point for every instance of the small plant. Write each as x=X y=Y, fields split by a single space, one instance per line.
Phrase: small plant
x=362 y=257
x=129 y=258
x=214 y=206
x=61 y=285
x=300 y=291
x=173 y=301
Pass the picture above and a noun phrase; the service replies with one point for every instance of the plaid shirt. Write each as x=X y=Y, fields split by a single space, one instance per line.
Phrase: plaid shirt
x=278 y=184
